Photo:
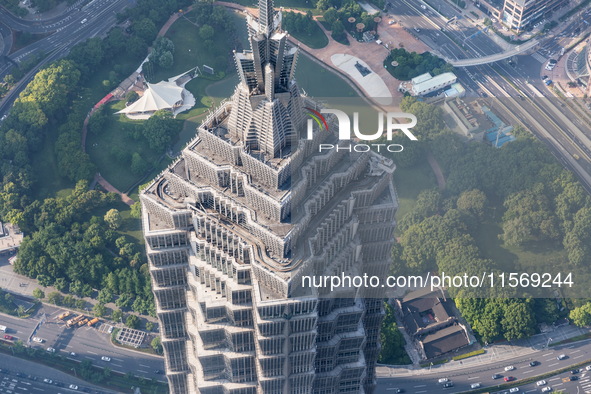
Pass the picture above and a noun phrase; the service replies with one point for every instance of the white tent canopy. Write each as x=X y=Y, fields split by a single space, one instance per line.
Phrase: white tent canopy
x=162 y=95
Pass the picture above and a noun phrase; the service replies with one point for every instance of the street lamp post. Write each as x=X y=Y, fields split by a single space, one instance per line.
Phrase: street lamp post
x=548 y=343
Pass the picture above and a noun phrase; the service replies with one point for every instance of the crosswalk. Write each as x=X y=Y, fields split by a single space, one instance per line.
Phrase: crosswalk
x=585 y=382
x=538 y=57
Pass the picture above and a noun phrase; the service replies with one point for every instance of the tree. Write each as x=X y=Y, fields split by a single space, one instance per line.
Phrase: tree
x=156 y=345
x=38 y=294
x=131 y=96
x=166 y=60
x=517 y=321
x=138 y=164
x=581 y=316
x=99 y=310
x=113 y=218
x=145 y=29
x=54 y=298
x=473 y=202
x=136 y=210
x=105 y=296
x=132 y=321
x=206 y=32
x=159 y=129
x=149 y=326
x=116 y=315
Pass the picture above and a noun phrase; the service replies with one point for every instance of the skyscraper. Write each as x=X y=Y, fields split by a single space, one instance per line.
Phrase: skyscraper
x=249 y=208
x=518 y=14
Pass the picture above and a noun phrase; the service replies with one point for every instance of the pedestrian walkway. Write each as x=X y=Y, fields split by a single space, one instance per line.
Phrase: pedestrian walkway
x=524 y=348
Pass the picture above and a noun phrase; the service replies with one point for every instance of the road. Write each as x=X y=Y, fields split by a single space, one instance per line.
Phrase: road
x=20 y=376
x=427 y=382
x=90 y=343
x=93 y=19
x=444 y=36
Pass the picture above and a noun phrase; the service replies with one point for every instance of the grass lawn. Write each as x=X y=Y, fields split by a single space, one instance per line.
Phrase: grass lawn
x=111 y=149
x=409 y=183
x=190 y=50
x=315 y=40
x=532 y=257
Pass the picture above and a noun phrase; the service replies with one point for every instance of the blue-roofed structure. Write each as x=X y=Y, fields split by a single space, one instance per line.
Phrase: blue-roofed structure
x=500 y=133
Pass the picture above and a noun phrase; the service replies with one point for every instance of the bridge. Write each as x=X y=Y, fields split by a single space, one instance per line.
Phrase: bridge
x=493 y=58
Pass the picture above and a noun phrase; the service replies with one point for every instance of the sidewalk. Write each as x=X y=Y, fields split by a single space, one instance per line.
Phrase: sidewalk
x=498 y=352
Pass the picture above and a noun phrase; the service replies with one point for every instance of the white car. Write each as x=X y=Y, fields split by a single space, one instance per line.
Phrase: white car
x=51 y=350
x=509 y=368
x=38 y=340
x=514 y=390
x=475 y=385
x=423 y=6
x=547 y=389
x=541 y=383
x=73 y=387
x=443 y=380
x=588 y=368
x=105 y=358
x=48 y=381
x=561 y=357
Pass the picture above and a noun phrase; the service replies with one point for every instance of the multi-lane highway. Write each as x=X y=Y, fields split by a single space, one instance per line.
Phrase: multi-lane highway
x=484 y=374
x=90 y=20
x=453 y=38
x=87 y=343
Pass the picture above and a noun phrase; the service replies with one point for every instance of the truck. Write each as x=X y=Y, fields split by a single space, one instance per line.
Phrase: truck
x=74 y=321
x=93 y=322
x=62 y=316
x=82 y=322
x=3 y=328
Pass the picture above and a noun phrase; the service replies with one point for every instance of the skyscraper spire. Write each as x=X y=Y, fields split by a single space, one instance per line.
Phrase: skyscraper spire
x=266 y=16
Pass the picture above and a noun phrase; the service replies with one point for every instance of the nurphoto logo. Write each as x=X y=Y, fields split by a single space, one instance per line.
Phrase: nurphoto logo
x=344 y=133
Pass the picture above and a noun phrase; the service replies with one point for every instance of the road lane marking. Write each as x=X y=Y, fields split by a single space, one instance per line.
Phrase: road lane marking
x=143 y=365
x=421 y=385
x=576 y=351
x=551 y=365
x=419 y=392
x=96 y=354
x=118 y=359
x=550 y=380
x=530 y=371
x=574 y=358
x=559 y=384
x=117 y=365
x=531 y=391
x=139 y=370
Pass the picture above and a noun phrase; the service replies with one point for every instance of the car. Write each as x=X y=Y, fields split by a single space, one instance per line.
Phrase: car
x=38 y=340
x=391 y=22
x=73 y=387
x=73 y=354
x=509 y=378
x=575 y=371
x=514 y=390
x=443 y=380
x=105 y=358
x=46 y=380
x=541 y=383
x=544 y=77
x=475 y=385
x=588 y=368
x=448 y=385
x=562 y=356
x=158 y=371
x=51 y=350
x=547 y=389
x=497 y=376
x=83 y=21
x=9 y=337
x=534 y=363
x=509 y=368
x=417 y=30
x=548 y=82
x=423 y=6
x=573 y=378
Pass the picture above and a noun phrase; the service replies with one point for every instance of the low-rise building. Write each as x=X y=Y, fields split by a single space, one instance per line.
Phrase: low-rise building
x=425 y=84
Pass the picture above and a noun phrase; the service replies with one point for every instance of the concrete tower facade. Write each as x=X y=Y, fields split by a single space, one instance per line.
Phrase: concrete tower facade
x=247 y=210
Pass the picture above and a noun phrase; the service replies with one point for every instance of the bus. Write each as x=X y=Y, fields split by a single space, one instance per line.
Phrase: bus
x=93 y=322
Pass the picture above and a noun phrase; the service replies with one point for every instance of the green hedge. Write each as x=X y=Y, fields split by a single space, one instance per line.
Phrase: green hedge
x=471 y=354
